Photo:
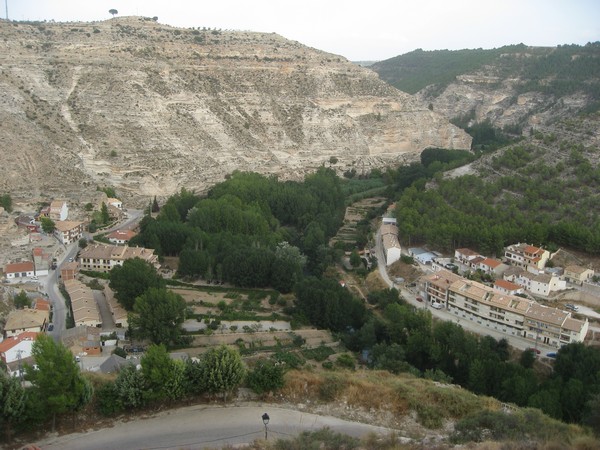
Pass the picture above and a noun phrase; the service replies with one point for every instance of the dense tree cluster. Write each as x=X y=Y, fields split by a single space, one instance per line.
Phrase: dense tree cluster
x=546 y=204
x=251 y=230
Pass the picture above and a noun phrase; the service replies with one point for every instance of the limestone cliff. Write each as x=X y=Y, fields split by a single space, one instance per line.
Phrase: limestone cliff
x=149 y=109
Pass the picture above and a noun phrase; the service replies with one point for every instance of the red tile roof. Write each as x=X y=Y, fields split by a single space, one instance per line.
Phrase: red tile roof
x=10 y=342
x=507 y=285
x=26 y=266
x=493 y=263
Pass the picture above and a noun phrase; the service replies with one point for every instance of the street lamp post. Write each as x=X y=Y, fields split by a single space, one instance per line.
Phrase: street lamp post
x=265 y=419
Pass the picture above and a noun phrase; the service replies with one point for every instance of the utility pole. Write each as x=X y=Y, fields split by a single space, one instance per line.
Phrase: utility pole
x=6 y=8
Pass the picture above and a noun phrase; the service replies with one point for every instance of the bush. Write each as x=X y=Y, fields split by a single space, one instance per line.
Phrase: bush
x=346 y=361
x=291 y=360
x=265 y=377
x=108 y=402
x=324 y=438
x=331 y=387
x=320 y=353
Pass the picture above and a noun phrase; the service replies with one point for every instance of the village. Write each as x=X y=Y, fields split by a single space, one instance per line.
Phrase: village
x=515 y=296
x=511 y=296
x=46 y=261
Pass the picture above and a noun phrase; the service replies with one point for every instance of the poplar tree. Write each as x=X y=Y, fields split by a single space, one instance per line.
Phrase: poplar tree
x=57 y=379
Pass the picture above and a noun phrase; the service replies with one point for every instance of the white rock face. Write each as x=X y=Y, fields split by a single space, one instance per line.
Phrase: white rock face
x=150 y=109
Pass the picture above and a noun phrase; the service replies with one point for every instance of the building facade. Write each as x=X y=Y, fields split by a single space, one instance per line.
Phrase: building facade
x=515 y=316
x=68 y=231
x=102 y=257
x=532 y=259
x=391 y=245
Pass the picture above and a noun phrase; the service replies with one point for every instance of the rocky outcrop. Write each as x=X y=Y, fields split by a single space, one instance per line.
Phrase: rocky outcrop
x=149 y=109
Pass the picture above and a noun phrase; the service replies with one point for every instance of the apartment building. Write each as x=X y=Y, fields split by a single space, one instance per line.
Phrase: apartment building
x=515 y=316
x=532 y=259
x=102 y=257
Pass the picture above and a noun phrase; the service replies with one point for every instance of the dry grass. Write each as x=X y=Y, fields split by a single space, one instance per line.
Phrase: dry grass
x=378 y=390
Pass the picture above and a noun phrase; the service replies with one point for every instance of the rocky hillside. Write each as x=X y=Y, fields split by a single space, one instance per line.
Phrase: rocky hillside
x=149 y=109
x=515 y=87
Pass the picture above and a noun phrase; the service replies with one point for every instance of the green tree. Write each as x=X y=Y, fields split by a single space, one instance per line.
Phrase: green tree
x=169 y=213
x=265 y=376
x=287 y=267
x=130 y=387
x=158 y=316
x=104 y=216
x=109 y=191
x=591 y=413
x=12 y=403
x=48 y=225
x=83 y=242
x=132 y=279
x=6 y=202
x=355 y=259
x=57 y=379
x=164 y=376
x=113 y=12
x=222 y=370
x=21 y=300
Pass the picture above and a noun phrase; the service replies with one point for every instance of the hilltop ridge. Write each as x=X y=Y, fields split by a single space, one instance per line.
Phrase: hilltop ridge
x=149 y=108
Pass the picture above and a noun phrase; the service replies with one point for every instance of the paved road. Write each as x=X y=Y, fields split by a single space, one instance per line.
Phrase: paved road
x=199 y=427
x=59 y=309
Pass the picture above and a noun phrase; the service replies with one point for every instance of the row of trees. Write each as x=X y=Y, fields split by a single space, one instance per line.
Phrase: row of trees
x=58 y=388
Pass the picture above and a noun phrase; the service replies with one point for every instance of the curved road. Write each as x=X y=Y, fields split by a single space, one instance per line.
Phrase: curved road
x=200 y=426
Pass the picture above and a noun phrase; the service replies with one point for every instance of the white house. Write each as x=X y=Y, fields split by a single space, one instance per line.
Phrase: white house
x=532 y=259
x=17 y=348
x=391 y=246
x=465 y=255
x=508 y=287
x=540 y=284
x=19 y=270
x=58 y=210
x=114 y=202
x=121 y=237
x=492 y=266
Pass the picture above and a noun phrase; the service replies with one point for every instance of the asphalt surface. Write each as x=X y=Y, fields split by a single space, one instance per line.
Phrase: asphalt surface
x=199 y=427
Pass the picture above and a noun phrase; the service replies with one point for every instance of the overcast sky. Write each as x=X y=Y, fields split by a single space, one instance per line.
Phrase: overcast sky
x=358 y=30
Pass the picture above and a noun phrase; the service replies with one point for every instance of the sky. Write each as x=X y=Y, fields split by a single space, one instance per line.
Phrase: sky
x=358 y=30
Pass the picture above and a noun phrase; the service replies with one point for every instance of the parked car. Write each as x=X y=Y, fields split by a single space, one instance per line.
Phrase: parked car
x=534 y=350
x=50 y=327
x=436 y=305
x=551 y=355
x=571 y=307
x=419 y=298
